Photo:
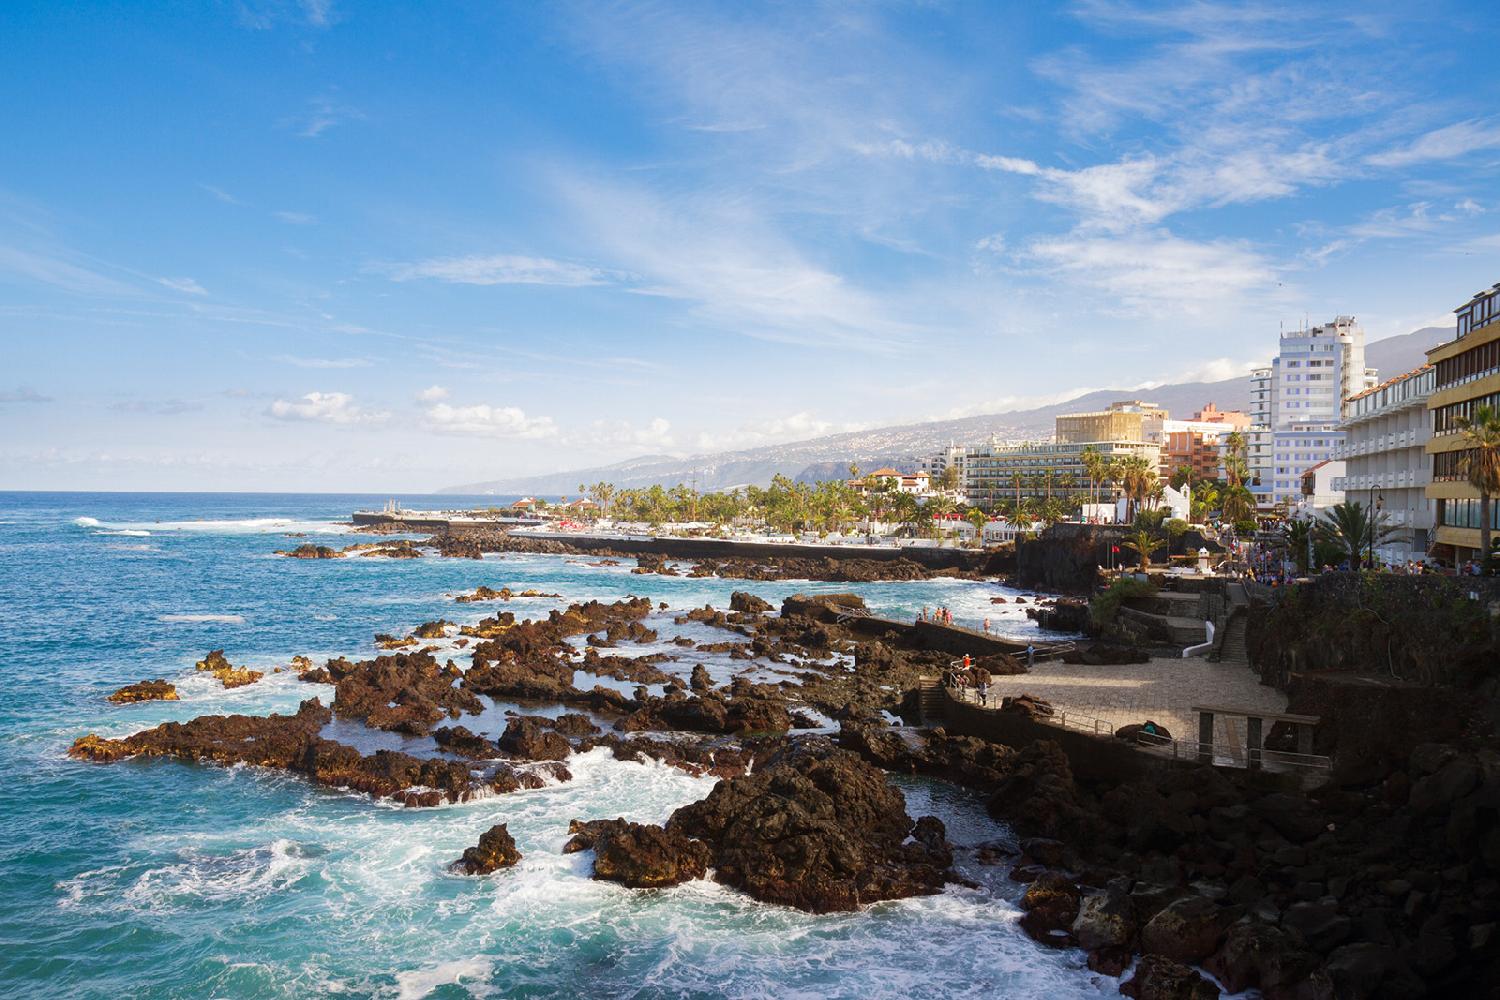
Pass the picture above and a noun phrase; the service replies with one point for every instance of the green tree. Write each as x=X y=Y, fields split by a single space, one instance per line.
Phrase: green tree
x=1298 y=533
x=1144 y=544
x=1480 y=464
x=978 y=519
x=1352 y=529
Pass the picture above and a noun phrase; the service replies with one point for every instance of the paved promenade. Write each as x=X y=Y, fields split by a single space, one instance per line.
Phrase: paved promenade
x=1163 y=690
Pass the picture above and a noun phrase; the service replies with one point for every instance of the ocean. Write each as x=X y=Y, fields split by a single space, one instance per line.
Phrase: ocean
x=162 y=879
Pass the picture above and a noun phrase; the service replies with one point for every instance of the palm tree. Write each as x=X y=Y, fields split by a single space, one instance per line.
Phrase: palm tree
x=1234 y=458
x=1183 y=475
x=1143 y=544
x=1350 y=526
x=1238 y=504
x=1138 y=478
x=1093 y=467
x=978 y=519
x=1299 y=533
x=1481 y=465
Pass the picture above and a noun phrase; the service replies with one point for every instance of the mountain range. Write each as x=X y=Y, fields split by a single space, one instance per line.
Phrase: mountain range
x=906 y=444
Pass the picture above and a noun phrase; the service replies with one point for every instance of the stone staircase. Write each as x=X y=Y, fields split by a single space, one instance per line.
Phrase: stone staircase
x=931 y=701
x=1232 y=648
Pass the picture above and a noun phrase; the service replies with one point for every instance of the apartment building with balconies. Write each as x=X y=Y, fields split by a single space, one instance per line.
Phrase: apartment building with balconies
x=1385 y=433
x=1467 y=376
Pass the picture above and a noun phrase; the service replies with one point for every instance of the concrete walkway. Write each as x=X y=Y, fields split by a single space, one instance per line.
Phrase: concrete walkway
x=1163 y=690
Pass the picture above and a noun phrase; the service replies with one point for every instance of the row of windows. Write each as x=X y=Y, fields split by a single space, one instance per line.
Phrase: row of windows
x=1482 y=360
x=1465 y=513
x=1445 y=418
x=1481 y=312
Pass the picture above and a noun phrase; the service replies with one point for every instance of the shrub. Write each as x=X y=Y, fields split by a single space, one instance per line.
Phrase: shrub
x=1104 y=608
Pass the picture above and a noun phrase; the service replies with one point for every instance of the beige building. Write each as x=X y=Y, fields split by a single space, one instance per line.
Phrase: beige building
x=1130 y=420
x=1467 y=376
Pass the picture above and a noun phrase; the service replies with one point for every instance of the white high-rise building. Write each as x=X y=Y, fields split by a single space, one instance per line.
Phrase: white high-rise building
x=1296 y=404
x=1258 y=439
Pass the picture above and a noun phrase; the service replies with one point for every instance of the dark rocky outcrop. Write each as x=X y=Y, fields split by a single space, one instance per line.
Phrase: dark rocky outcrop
x=310 y=551
x=291 y=743
x=530 y=738
x=1158 y=978
x=748 y=603
x=157 y=690
x=814 y=828
x=496 y=850
x=638 y=855
x=403 y=692
x=226 y=673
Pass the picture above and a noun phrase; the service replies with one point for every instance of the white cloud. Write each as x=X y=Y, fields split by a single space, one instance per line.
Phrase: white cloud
x=432 y=394
x=1446 y=143
x=323 y=363
x=1155 y=271
x=656 y=435
x=295 y=218
x=483 y=420
x=185 y=285
x=326 y=407
x=502 y=269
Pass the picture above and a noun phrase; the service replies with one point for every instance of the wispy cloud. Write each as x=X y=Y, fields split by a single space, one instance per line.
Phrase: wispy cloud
x=1446 y=143
x=328 y=408
x=221 y=194
x=23 y=394
x=295 y=218
x=302 y=362
x=156 y=407
x=187 y=286
x=322 y=114
x=48 y=269
x=792 y=427
x=501 y=269
x=432 y=394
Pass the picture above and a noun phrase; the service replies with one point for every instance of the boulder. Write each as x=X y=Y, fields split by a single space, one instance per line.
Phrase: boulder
x=815 y=828
x=529 y=738
x=1051 y=906
x=1186 y=930
x=495 y=850
x=1160 y=978
x=748 y=603
x=1105 y=921
x=638 y=855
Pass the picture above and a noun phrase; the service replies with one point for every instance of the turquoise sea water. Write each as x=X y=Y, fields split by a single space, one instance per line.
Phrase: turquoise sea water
x=160 y=879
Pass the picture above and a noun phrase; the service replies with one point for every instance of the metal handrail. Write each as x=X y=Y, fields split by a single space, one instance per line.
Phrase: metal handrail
x=1236 y=754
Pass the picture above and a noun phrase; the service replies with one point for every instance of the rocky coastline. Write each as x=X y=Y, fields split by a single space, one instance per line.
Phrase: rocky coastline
x=1384 y=882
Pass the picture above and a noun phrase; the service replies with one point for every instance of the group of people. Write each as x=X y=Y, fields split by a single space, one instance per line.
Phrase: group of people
x=942 y=616
x=967 y=676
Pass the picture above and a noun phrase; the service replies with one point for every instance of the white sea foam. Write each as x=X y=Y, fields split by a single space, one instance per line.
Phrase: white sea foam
x=422 y=982
x=179 y=619
x=233 y=526
x=125 y=533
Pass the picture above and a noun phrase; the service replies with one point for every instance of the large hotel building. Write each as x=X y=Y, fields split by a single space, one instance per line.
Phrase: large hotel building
x=1467 y=376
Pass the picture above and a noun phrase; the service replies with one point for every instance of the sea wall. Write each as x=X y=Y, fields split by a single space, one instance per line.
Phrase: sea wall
x=992 y=562
x=1092 y=758
x=1066 y=557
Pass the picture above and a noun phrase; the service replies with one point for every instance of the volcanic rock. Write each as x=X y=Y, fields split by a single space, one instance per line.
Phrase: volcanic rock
x=1159 y=978
x=225 y=672
x=638 y=855
x=496 y=849
x=527 y=737
x=748 y=603
x=815 y=828
x=157 y=690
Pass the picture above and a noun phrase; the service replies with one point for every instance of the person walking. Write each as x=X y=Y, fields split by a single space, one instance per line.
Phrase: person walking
x=1030 y=655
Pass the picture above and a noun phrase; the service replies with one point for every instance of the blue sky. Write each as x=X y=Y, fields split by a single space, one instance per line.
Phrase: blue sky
x=321 y=245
